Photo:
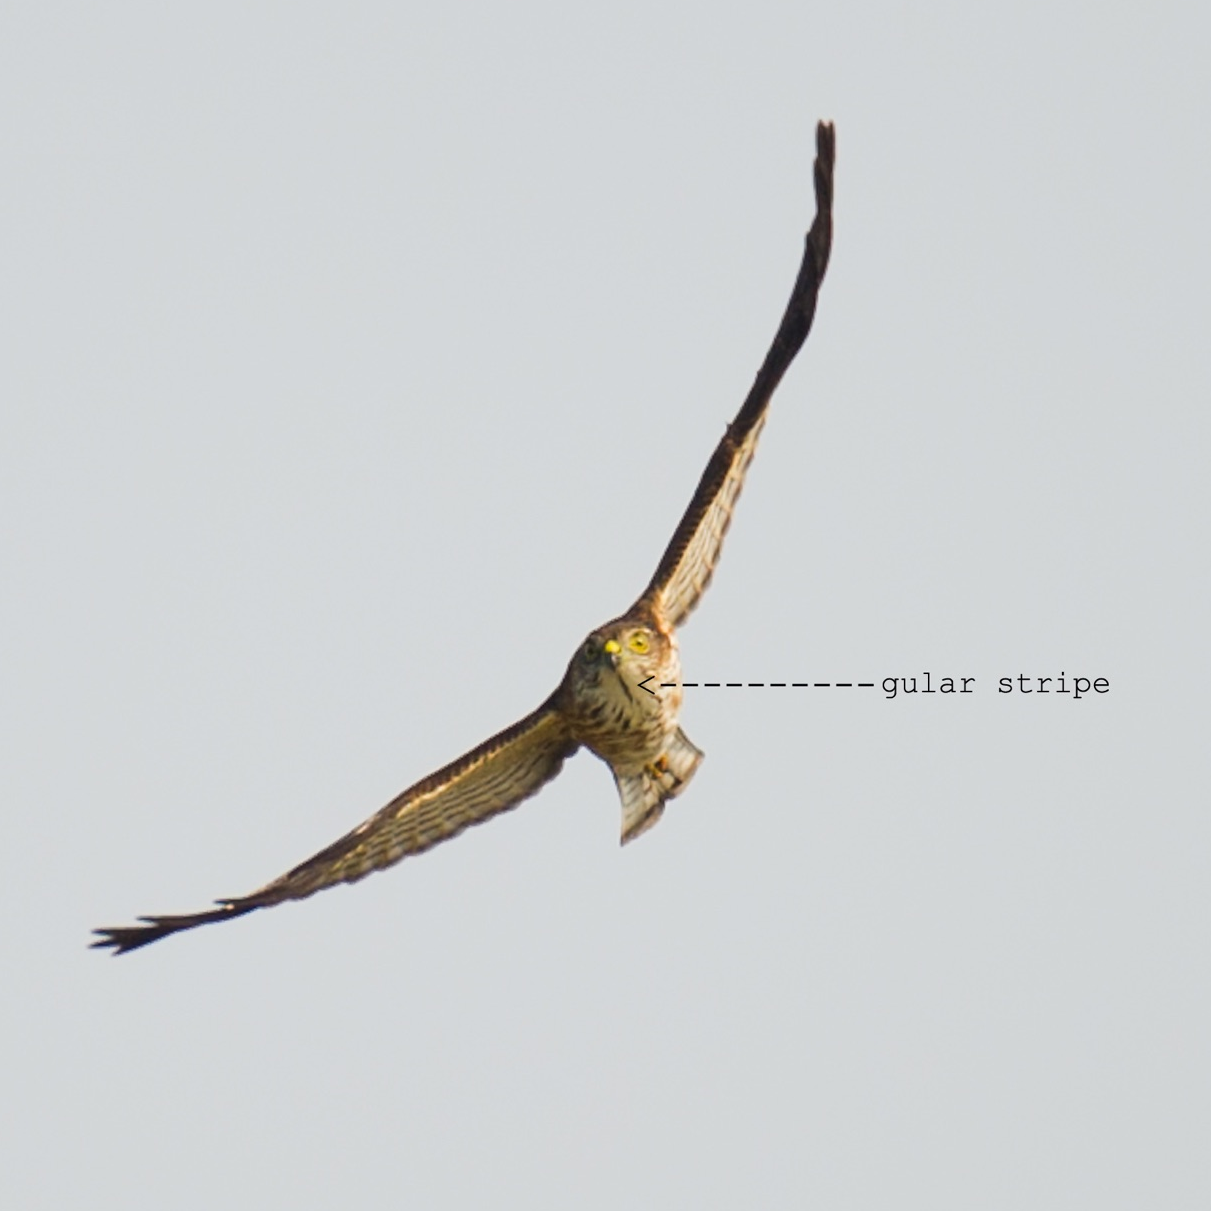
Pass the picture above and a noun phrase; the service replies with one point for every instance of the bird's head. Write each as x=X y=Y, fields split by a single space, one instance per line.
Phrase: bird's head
x=624 y=648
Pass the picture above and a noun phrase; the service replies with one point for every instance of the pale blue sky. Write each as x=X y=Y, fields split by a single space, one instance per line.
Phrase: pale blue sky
x=358 y=359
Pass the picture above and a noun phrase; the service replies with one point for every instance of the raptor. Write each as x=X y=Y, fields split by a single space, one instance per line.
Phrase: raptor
x=602 y=703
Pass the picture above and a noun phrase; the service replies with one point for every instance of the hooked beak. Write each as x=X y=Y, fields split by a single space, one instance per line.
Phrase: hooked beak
x=612 y=648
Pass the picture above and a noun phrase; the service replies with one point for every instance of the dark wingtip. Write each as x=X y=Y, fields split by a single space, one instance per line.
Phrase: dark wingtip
x=125 y=938
x=821 y=234
x=826 y=141
x=801 y=308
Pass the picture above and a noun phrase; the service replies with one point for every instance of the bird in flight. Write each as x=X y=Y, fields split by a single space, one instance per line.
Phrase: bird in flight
x=603 y=701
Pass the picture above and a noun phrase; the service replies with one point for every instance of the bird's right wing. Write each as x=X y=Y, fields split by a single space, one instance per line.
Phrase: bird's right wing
x=492 y=778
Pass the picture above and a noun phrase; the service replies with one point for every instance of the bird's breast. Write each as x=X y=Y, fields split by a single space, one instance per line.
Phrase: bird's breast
x=624 y=722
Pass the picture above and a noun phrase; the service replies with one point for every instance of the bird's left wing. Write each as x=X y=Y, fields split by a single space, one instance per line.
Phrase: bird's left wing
x=491 y=778
x=689 y=561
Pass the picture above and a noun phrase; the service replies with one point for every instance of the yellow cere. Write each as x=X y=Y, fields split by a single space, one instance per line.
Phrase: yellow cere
x=611 y=646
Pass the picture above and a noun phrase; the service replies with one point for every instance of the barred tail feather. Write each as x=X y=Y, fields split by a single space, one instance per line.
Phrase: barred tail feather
x=644 y=794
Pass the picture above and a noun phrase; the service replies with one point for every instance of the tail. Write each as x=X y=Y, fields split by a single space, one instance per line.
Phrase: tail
x=643 y=794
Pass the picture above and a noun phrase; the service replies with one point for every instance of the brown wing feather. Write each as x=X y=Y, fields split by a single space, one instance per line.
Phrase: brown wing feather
x=490 y=779
x=687 y=565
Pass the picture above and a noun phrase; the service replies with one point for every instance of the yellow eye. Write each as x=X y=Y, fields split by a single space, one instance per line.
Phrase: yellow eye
x=638 y=642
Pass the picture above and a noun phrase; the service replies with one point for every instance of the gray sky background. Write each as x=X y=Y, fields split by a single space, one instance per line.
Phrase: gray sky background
x=358 y=359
